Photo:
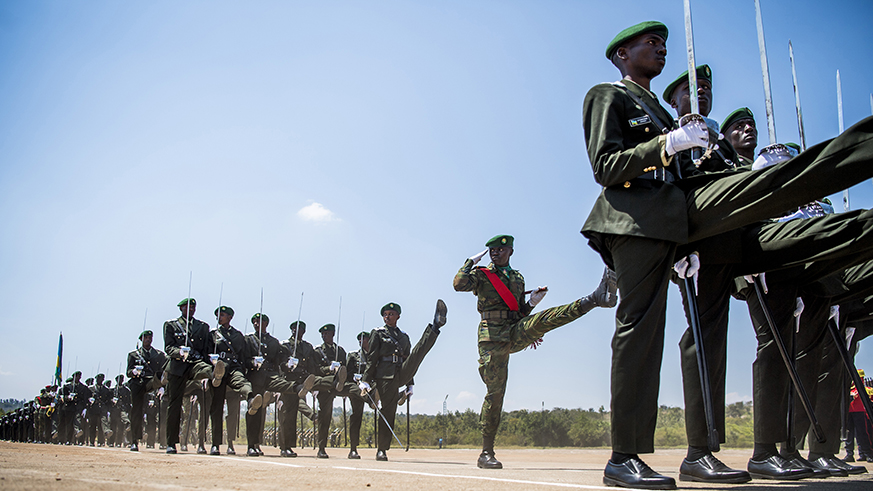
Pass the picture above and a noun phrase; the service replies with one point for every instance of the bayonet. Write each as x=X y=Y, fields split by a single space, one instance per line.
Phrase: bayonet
x=842 y=128
x=797 y=99
x=765 y=72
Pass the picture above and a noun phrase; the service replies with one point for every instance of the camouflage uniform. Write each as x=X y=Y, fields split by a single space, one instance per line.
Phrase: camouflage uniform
x=502 y=331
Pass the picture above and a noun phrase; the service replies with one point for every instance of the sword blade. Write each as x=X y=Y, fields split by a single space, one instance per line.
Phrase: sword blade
x=842 y=127
x=797 y=98
x=692 y=65
x=765 y=72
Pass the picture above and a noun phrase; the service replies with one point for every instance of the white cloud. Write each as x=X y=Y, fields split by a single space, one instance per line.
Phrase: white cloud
x=316 y=212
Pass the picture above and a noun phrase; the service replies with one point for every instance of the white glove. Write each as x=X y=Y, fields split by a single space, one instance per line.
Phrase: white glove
x=478 y=257
x=184 y=351
x=334 y=366
x=279 y=405
x=693 y=134
x=688 y=267
x=750 y=278
x=835 y=314
x=537 y=295
x=408 y=391
x=798 y=307
x=161 y=392
x=364 y=386
x=84 y=411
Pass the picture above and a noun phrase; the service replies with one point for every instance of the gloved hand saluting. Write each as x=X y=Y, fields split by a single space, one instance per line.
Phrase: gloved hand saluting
x=478 y=257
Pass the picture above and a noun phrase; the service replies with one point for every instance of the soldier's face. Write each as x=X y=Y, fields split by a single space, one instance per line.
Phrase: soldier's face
x=681 y=100
x=224 y=318
x=257 y=323
x=327 y=337
x=390 y=317
x=646 y=54
x=743 y=134
x=500 y=255
x=365 y=343
x=188 y=310
x=147 y=341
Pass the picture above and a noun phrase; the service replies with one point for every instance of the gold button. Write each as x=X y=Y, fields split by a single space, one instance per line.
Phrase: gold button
x=647 y=129
x=627 y=184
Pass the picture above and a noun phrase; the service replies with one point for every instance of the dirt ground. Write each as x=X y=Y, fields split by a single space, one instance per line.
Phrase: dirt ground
x=35 y=466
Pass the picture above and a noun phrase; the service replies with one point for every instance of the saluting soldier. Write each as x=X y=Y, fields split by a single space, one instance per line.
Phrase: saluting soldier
x=186 y=345
x=144 y=371
x=507 y=325
x=646 y=210
x=227 y=346
x=392 y=362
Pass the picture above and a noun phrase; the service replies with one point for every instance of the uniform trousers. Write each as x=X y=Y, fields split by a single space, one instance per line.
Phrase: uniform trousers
x=176 y=390
x=389 y=388
x=139 y=387
x=494 y=356
x=235 y=379
x=273 y=382
x=714 y=205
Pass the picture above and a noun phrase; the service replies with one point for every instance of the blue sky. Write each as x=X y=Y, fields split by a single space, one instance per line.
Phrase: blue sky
x=348 y=149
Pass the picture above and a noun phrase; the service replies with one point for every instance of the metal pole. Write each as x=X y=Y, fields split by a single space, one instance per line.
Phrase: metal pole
x=712 y=438
x=407 y=423
x=789 y=364
x=765 y=72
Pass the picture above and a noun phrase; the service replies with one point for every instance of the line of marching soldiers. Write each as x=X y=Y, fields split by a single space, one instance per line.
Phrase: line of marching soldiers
x=203 y=368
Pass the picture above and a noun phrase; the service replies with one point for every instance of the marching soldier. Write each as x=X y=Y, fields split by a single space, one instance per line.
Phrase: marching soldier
x=186 y=345
x=263 y=357
x=227 y=347
x=119 y=414
x=295 y=373
x=646 y=210
x=356 y=365
x=144 y=371
x=507 y=325
x=102 y=402
x=332 y=369
x=392 y=362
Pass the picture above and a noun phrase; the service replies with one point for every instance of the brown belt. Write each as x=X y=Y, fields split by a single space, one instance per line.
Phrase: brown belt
x=499 y=314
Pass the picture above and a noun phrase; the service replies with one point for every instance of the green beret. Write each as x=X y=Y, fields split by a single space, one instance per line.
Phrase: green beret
x=500 y=241
x=634 y=31
x=100 y=375
x=145 y=333
x=258 y=316
x=295 y=323
x=327 y=327
x=77 y=373
x=225 y=309
x=89 y=381
x=69 y=379
x=363 y=334
x=185 y=302
x=390 y=306
x=741 y=113
x=119 y=377
x=794 y=146
x=703 y=73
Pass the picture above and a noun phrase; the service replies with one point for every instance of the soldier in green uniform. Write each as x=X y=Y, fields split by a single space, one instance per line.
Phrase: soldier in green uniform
x=100 y=407
x=649 y=207
x=145 y=366
x=227 y=347
x=119 y=413
x=332 y=369
x=507 y=325
x=740 y=131
x=392 y=362
x=186 y=345
x=356 y=365
x=302 y=364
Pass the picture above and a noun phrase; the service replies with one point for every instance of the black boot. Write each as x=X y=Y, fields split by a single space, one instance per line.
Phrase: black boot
x=486 y=458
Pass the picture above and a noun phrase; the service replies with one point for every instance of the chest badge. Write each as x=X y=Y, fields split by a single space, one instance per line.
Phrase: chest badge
x=642 y=120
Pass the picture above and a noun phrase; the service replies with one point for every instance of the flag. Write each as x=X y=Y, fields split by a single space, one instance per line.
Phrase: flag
x=58 y=378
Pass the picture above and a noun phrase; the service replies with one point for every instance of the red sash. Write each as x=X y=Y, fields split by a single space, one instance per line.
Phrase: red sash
x=501 y=288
